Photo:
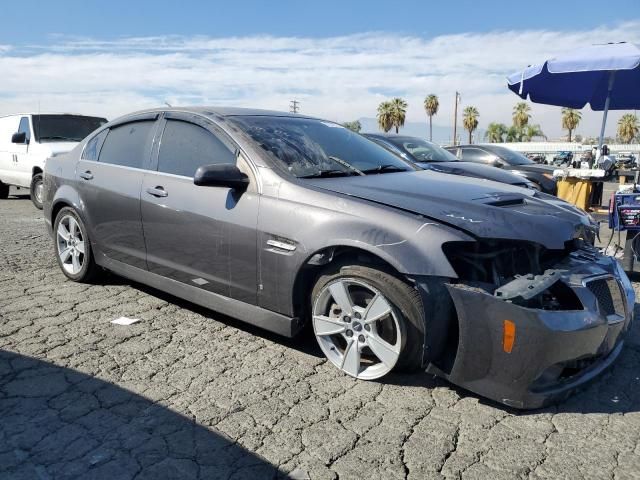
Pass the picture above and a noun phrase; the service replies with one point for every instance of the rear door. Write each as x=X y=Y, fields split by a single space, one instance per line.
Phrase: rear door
x=201 y=236
x=109 y=177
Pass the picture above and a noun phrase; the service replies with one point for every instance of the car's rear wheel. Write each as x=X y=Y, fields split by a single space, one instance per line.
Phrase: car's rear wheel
x=367 y=321
x=73 y=248
x=37 y=190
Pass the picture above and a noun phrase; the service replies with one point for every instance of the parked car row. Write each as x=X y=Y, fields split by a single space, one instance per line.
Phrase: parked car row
x=284 y=220
x=514 y=162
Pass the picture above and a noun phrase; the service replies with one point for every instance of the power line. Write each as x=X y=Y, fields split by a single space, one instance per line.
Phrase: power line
x=294 y=106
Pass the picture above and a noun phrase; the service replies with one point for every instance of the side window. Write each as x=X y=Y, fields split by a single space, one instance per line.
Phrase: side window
x=92 y=148
x=24 y=127
x=473 y=155
x=185 y=147
x=126 y=144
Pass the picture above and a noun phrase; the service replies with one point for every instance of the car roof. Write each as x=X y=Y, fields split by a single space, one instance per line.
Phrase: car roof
x=213 y=111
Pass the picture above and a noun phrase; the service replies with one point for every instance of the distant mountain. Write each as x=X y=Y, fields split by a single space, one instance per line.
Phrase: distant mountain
x=441 y=135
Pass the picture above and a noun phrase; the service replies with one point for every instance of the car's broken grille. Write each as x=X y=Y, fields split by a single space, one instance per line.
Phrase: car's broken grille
x=609 y=296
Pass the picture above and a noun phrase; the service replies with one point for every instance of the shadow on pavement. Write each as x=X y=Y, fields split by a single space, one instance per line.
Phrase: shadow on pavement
x=59 y=423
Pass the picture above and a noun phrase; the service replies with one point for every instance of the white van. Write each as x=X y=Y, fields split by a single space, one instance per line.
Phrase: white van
x=27 y=140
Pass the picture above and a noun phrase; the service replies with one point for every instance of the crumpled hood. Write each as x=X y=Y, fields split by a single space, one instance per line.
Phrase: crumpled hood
x=482 y=208
x=477 y=170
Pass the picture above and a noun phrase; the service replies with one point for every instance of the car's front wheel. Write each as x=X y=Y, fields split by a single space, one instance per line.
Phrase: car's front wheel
x=37 y=190
x=73 y=248
x=367 y=321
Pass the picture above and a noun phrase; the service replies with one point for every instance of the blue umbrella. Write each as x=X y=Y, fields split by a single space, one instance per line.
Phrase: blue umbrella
x=607 y=77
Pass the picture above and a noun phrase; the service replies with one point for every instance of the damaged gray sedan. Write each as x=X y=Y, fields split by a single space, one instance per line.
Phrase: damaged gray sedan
x=282 y=220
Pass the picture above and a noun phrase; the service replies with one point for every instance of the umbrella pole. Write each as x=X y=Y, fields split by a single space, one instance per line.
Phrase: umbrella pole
x=606 y=111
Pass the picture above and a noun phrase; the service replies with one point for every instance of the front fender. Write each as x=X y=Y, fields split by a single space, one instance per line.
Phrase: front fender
x=291 y=233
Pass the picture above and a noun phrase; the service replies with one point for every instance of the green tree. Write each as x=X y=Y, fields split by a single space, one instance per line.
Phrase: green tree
x=521 y=114
x=470 y=120
x=495 y=132
x=570 y=119
x=628 y=128
x=514 y=134
x=529 y=132
x=356 y=126
x=431 y=105
x=385 y=116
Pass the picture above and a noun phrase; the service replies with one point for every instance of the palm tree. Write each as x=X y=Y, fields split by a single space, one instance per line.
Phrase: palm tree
x=495 y=132
x=470 y=120
x=431 y=106
x=385 y=116
x=628 y=127
x=570 y=119
x=521 y=114
x=532 y=131
x=398 y=112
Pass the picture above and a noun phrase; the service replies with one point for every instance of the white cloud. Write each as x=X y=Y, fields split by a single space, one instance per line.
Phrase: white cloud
x=341 y=78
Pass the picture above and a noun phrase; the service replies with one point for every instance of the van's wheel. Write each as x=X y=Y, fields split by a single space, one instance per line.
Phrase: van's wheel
x=73 y=247
x=4 y=191
x=37 y=190
x=367 y=321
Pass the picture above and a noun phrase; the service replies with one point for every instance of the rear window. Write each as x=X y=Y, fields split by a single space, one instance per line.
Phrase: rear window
x=64 y=128
x=92 y=148
x=126 y=145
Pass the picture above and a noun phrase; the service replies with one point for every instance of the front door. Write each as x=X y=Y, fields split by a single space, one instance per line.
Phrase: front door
x=201 y=236
x=109 y=177
x=23 y=163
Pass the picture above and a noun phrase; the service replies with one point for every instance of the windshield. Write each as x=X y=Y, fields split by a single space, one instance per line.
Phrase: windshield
x=64 y=128
x=314 y=148
x=511 y=157
x=424 y=151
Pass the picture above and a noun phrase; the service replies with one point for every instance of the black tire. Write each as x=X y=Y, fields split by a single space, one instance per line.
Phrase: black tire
x=405 y=299
x=36 y=182
x=4 y=191
x=90 y=270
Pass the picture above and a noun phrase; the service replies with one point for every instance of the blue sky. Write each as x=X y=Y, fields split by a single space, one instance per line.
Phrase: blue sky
x=322 y=18
x=340 y=59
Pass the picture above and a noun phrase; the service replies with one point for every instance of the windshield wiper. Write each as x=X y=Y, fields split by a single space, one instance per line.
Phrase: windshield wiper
x=345 y=164
x=56 y=137
x=388 y=168
x=330 y=173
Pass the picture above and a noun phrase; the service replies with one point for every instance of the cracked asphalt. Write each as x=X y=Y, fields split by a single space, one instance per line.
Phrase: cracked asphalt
x=188 y=393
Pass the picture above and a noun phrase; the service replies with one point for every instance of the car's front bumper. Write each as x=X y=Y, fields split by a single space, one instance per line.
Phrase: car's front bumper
x=554 y=352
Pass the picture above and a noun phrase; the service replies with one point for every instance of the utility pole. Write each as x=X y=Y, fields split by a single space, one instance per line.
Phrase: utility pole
x=455 y=120
x=294 y=106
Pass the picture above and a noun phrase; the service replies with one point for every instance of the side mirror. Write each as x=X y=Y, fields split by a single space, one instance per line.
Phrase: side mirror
x=20 y=137
x=221 y=175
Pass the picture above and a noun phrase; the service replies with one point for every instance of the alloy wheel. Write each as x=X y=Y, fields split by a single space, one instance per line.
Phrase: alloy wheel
x=357 y=328
x=71 y=246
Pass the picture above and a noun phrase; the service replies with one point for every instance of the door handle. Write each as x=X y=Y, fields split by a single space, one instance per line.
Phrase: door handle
x=87 y=175
x=157 y=191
